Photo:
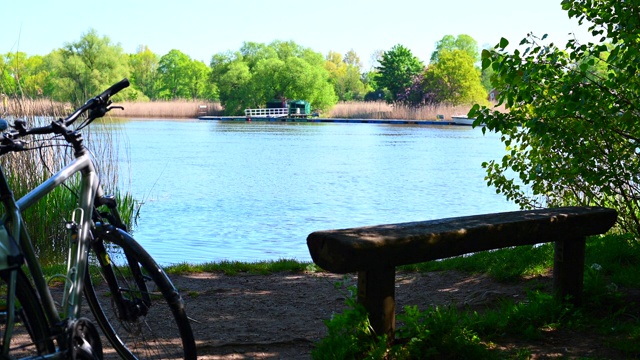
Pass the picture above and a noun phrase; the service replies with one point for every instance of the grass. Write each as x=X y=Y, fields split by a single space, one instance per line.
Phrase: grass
x=503 y=265
x=238 y=267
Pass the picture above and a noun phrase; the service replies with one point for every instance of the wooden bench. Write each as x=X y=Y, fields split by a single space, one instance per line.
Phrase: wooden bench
x=374 y=252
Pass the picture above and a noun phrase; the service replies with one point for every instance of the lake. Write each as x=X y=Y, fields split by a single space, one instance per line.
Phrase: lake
x=252 y=191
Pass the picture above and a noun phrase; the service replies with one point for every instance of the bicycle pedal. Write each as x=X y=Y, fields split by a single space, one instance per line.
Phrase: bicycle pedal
x=85 y=340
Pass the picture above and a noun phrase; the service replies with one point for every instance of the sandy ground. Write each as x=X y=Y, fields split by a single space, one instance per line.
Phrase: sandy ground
x=281 y=316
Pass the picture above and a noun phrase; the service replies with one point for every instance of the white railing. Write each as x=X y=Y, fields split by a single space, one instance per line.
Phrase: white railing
x=277 y=112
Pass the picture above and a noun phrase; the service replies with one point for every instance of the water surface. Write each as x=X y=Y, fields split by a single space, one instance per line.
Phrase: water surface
x=253 y=191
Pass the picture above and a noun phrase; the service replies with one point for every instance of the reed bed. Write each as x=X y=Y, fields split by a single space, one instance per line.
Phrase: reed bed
x=25 y=170
x=383 y=110
x=34 y=107
x=179 y=109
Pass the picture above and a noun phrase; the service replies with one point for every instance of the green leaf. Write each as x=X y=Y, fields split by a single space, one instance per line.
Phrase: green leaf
x=486 y=62
x=503 y=43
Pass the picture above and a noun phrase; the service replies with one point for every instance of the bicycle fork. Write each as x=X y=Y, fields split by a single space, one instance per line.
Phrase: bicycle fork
x=129 y=303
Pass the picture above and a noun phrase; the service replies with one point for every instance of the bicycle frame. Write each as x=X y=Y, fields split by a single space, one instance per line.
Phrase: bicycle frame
x=79 y=228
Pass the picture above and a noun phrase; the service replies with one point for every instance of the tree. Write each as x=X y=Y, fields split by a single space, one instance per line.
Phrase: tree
x=345 y=75
x=22 y=75
x=35 y=77
x=398 y=70
x=144 y=71
x=234 y=86
x=84 y=68
x=174 y=70
x=463 y=42
x=337 y=73
x=201 y=87
x=571 y=132
x=281 y=70
x=252 y=52
x=454 y=79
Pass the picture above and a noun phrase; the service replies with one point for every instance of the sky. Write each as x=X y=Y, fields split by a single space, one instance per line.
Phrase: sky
x=202 y=28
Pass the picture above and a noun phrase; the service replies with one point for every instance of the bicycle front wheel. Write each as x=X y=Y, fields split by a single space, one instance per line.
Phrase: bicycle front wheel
x=134 y=302
x=30 y=331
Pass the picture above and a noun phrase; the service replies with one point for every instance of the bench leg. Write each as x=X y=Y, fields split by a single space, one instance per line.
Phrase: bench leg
x=376 y=292
x=568 y=269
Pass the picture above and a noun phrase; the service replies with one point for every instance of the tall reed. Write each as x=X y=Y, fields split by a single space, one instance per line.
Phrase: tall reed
x=178 y=109
x=22 y=107
x=383 y=110
x=26 y=170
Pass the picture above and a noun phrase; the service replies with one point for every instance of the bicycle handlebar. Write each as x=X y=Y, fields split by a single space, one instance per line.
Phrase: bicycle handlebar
x=98 y=107
x=98 y=103
x=114 y=89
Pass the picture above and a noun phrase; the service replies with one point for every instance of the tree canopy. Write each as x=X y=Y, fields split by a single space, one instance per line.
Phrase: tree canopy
x=450 y=43
x=453 y=78
x=398 y=70
x=571 y=126
x=87 y=67
x=346 y=75
x=281 y=70
x=247 y=77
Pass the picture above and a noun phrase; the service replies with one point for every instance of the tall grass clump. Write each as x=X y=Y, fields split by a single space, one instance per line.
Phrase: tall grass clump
x=27 y=169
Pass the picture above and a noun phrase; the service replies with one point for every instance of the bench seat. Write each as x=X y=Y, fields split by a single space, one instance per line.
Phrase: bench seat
x=374 y=251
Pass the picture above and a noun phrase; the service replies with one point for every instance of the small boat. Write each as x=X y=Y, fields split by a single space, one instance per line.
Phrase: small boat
x=463 y=120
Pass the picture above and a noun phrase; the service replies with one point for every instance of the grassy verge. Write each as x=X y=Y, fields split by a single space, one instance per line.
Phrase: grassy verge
x=238 y=267
x=505 y=329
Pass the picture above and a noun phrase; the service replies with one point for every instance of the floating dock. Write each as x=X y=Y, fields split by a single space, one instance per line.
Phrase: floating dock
x=327 y=120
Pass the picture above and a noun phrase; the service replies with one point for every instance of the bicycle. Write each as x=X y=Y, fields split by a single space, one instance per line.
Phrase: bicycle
x=132 y=299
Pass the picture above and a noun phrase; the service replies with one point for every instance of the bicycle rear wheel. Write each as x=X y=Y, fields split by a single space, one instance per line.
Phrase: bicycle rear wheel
x=153 y=323
x=31 y=330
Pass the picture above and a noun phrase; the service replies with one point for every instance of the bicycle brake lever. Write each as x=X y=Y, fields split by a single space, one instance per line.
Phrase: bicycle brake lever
x=115 y=107
x=10 y=144
x=98 y=112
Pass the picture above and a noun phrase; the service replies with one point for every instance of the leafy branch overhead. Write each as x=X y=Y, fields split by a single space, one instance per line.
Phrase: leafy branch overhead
x=571 y=128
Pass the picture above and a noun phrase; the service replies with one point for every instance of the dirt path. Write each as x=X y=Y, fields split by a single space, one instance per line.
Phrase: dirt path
x=281 y=316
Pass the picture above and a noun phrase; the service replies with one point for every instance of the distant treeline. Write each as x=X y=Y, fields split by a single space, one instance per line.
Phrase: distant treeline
x=248 y=77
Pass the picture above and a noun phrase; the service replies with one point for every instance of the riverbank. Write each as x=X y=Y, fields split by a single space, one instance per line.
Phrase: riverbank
x=185 y=109
x=259 y=314
x=282 y=315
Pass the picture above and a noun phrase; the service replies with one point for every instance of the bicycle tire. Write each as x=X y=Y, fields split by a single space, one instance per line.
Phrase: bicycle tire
x=31 y=334
x=164 y=332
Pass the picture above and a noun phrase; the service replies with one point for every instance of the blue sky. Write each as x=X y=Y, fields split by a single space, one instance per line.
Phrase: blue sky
x=201 y=29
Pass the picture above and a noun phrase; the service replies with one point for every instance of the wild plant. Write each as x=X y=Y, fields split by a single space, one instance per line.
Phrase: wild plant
x=27 y=169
